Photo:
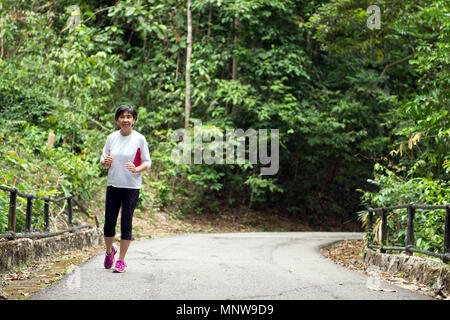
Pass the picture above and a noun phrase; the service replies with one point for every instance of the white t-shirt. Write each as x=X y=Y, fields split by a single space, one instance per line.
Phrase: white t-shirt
x=123 y=149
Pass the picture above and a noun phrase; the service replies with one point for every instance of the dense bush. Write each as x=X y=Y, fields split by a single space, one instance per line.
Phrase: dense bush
x=392 y=190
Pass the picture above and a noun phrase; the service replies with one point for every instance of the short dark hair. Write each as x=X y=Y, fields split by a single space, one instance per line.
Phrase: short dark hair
x=126 y=108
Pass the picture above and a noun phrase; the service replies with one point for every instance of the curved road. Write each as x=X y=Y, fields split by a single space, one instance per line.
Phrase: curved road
x=236 y=266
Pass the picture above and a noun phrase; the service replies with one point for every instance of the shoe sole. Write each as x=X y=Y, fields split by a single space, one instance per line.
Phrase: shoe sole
x=117 y=271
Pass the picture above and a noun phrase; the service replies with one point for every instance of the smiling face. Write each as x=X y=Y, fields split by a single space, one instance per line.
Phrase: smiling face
x=126 y=116
x=125 y=121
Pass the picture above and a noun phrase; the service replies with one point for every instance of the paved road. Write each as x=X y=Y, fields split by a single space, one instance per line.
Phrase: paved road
x=225 y=266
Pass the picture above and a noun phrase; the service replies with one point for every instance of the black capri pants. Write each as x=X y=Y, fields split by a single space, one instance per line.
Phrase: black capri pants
x=116 y=198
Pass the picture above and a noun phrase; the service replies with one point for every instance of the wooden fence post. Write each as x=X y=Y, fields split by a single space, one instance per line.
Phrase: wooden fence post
x=69 y=204
x=447 y=233
x=29 y=213
x=410 y=241
x=384 y=229
x=12 y=210
x=46 y=216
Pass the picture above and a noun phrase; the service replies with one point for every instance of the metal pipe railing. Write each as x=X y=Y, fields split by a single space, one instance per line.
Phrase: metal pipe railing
x=14 y=193
x=410 y=239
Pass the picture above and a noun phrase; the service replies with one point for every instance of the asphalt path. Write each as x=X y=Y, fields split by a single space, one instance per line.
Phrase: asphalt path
x=235 y=266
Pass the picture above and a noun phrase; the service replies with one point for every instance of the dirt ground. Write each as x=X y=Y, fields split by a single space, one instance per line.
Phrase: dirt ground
x=20 y=283
x=349 y=254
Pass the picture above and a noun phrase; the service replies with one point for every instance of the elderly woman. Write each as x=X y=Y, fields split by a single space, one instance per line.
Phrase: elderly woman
x=125 y=155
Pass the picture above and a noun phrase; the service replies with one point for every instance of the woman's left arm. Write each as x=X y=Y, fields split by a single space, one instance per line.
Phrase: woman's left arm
x=145 y=156
x=145 y=159
x=130 y=166
x=141 y=168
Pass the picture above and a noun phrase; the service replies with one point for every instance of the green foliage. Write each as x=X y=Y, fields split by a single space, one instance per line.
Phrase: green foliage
x=399 y=75
x=342 y=96
x=393 y=190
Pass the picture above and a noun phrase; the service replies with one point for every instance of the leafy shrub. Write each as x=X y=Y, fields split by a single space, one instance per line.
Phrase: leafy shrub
x=395 y=190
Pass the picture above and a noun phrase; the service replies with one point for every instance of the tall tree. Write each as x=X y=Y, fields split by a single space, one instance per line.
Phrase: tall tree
x=187 y=104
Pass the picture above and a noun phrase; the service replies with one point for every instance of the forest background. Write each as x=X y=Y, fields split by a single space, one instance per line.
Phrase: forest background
x=362 y=112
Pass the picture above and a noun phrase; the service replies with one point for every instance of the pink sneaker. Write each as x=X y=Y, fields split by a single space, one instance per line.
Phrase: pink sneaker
x=120 y=266
x=109 y=258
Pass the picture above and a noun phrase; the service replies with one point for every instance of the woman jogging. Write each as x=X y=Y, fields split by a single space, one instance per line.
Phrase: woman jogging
x=125 y=155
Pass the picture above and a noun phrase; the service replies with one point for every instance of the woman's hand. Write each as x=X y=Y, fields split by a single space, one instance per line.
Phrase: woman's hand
x=130 y=166
x=107 y=162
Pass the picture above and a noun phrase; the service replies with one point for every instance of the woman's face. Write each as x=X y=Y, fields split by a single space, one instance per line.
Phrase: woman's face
x=125 y=120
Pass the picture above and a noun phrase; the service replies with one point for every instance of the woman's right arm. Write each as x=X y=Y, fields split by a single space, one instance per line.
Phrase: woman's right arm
x=106 y=158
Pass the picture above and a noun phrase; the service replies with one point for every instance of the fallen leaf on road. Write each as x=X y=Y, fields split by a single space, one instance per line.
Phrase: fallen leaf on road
x=382 y=289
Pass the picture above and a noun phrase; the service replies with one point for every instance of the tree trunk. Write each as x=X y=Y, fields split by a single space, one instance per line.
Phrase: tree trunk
x=235 y=44
x=188 y=66
x=234 y=72
x=209 y=21
x=178 y=66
